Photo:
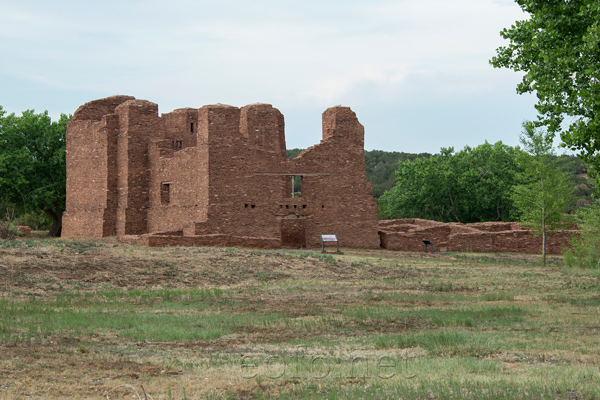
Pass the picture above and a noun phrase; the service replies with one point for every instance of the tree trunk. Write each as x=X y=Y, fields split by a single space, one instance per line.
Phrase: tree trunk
x=544 y=242
x=456 y=216
x=56 y=215
x=452 y=208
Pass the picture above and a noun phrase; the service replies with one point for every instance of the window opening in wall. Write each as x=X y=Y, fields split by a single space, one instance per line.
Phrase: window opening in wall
x=177 y=144
x=246 y=205
x=192 y=127
x=165 y=193
x=253 y=205
x=303 y=205
x=296 y=186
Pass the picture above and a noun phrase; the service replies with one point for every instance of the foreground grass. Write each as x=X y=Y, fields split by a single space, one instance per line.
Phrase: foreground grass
x=79 y=318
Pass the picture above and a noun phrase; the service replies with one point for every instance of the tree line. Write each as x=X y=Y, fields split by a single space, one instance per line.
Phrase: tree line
x=473 y=184
x=33 y=168
x=424 y=174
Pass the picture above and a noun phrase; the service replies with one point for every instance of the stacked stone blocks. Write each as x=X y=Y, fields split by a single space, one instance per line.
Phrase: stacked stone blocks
x=217 y=175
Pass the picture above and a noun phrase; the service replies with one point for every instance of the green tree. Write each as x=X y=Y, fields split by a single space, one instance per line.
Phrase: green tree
x=543 y=198
x=586 y=244
x=472 y=185
x=416 y=193
x=32 y=163
x=558 y=48
x=382 y=165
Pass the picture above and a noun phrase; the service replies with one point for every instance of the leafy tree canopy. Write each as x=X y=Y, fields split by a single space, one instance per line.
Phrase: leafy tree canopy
x=32 y=163
x=382 y=165
x=558 y=48
x=472 y=185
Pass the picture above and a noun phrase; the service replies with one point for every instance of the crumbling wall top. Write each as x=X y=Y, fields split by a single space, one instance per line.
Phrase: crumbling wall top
x=97 y=109
x=143 y=107
x=340 y=121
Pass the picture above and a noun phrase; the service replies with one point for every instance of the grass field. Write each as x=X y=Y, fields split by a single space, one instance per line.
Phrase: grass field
x=82 y=319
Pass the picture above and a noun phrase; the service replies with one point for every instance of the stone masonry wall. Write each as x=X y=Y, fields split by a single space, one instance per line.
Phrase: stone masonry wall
x=486 y=237
x=91 y=169
x=218 y=174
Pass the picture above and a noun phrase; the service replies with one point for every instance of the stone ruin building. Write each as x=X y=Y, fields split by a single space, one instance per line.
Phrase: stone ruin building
x=217 y=175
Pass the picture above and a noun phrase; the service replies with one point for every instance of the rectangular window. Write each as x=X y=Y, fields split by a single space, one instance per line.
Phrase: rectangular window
x=296 y=186
x=165 y=193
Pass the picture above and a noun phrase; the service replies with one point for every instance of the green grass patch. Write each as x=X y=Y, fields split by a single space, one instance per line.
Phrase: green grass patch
x=463 y=316
x=162 y=315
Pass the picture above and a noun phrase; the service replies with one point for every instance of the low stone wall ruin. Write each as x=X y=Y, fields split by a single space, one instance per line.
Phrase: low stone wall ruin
x=25 y=230
x=220 y=240
x=484 y=237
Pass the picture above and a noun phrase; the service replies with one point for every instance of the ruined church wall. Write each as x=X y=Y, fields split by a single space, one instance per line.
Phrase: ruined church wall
x=344 y=194
x=240 y=200
x=91 y=169
x=226 y=174
x=178 y=187
x=86 y=154
x=139 y=124
x=181 y=127
x=250 y=183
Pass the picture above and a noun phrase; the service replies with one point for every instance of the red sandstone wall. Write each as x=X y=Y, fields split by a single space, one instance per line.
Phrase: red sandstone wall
x=343 y=193
x=154 y=240
x=139 y=125
x=487 y=237
x=245 y=156
x=91 y=169
x=184 y=171
x=249 y=188
x=226 y=173
x=181 y=125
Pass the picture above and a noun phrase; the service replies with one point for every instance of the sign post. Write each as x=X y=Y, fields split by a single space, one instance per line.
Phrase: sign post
x=428 y=242
x=329 y=238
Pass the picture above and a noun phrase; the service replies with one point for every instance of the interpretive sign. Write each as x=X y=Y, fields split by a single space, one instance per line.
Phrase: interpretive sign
x=329 y=238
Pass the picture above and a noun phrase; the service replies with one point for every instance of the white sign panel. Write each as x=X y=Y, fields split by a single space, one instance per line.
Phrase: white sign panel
x=329 y=238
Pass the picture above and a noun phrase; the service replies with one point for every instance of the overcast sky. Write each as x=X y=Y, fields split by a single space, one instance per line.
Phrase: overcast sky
x=415 y=72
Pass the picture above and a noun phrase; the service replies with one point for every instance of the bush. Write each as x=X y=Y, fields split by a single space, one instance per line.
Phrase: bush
x=7 y=228
x=586 y=247
x=38 y=221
